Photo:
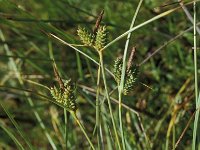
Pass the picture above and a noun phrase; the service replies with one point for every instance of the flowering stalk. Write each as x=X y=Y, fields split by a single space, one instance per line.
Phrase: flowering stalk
x=65 y=95
x=97 y=41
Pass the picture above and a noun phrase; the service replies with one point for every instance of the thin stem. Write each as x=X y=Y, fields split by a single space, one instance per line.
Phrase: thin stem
x=195 y=54
x=98 y=107
x=66 y=133
x=79 y=65
x=143 y=131
x=82 y=128
x=106 y=128
x=81 y=52
x=121 y=86
x=196 y=125
x=166 y=44
x=189 y=16
x=18 y=129
x=174 y=136
x=185 y=129
x=167 y=144
x=108 y=98
x=10 y=134
x=120 y=120
x=143 y=24
x=196 y=82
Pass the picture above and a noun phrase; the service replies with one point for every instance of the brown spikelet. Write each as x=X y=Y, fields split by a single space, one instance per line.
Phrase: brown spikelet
x=130 y=60
x=98 y=22
x=58 y=78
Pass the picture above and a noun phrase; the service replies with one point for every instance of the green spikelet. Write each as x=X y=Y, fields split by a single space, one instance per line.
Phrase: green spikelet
x=69 y=86
x=130 y=76
x=118 y=69
x=86 y=37
x=56 y=94
x=130 y=79
x=67 y=96
x=101 y=36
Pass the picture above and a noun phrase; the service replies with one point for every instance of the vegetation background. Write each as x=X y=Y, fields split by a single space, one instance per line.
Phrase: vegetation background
x=154 y=114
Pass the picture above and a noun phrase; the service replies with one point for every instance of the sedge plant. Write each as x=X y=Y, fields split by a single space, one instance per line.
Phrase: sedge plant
x=125 y=75
x=97 y=40
x=65 y=95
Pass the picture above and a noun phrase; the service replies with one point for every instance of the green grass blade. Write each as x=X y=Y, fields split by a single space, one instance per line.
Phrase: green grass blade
x=106 y=129
x=108 y=98
x=19 y=130
x=14 y=66
x=121 y=86
x=82 y=129
x=194 y=144
x=98 y=108
x=79 y=65
x=197 y=99
x=166 y=44
x=18 y=144
x=143 y=24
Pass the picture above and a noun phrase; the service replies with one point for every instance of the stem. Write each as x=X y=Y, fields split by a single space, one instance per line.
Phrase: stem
x=167 y=144
x=106 y=129
x=143 y=24
x=10 y=134
x=196 y=81
x=174 y=137
x=120 y=119
x=166 y=44
x=108 y=98
x=148 y=145
x=66 y=133
x=195 y=55
x=195 y=129
x=81 y=52
x=82 y=128
x=121 y=86
x=79 y=65
x=98 y=108
x=18 y=129
x=187 y=13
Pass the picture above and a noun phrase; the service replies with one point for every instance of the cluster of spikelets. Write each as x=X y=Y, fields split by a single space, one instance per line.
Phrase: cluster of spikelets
x=96 y=40
x=130 y=76
x=66 y=96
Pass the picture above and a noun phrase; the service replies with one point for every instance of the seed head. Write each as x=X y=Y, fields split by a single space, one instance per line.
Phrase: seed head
x=66 y=96
x=86 y=37
x=130 y=79
x=101 y=37
x=118 y=69
x=130 y=75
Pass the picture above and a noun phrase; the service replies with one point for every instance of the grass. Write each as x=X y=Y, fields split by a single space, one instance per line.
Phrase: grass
x=121 y=85
x=160 y=112
x=194 y=143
